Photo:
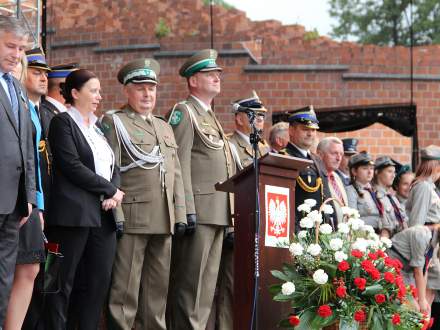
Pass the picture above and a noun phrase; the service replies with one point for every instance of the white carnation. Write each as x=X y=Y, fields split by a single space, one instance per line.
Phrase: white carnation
x=327 y=209
x=336 y=244
x=325 y=229
x=310 y=202
x=314 y=249
x=320 y=277
x=350 y=212
x=355 y=223
x=387 y=242
x=369 y=229
x=296 y=249
x=302 y=234
x=316 y=216
x=343 y=228
x=360 y=244
x=288 y=288
x=304 y=208
x=340 y=256
x=306 y=222
x=374 y=244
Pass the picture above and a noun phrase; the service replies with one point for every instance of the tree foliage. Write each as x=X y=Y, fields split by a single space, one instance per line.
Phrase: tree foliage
x=387 y=22
x=222 y=3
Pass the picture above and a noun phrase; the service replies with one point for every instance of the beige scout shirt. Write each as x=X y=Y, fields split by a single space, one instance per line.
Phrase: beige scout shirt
x=148 y=207
x=390 y=221
x=364 y=203
x=423 y=204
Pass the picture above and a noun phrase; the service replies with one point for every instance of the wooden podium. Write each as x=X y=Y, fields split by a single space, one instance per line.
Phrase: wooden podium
x=276 y=180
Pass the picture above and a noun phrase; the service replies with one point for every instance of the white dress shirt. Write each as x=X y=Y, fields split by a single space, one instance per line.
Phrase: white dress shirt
x=202 y=104
x=4 y=85
x=61 y=107
x=102 y=153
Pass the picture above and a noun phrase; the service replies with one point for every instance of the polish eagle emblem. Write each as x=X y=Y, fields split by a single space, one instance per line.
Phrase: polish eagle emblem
x=277 y=216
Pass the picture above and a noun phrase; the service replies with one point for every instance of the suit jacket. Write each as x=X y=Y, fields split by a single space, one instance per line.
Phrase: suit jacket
x=17 y=168
x=147 y=208
x=245 y=150
x=203 y=167
x=76 y=192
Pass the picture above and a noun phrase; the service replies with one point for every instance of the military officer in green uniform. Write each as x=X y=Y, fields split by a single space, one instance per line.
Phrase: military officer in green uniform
x=154 y=203
x=206 y=159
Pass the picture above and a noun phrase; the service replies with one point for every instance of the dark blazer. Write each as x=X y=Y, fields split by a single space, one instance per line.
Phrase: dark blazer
x=17 y=169
x=76 y=188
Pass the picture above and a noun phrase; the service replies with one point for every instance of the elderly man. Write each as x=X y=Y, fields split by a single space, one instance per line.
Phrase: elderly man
x=278 y=136
x=206 y=159
x=17 y=177
x=153 y=206
x=331 y=151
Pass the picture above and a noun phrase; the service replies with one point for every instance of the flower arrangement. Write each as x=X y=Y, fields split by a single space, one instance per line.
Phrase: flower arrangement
x=343 y=276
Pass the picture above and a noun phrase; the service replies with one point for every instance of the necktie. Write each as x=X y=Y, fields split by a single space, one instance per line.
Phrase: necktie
x=13 y=96
x=376 y=200
x=396 y=209
x=336 y=189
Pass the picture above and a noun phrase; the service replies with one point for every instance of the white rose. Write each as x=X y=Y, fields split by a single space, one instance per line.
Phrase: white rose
x=288 y=288
x=302 y=234
x=343 y=228
x=360 y=244
x=327 y=209
x=304 y=208
x=306 y=222
x=325 y=229
x=340 y=256
x=310 y=202
x=387 y=242
x=296 y=249
x=336 y=244
x=316 y=216
x=320 y=277
x=314 y=249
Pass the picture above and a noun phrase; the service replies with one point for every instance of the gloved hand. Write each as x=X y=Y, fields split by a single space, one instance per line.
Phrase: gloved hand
x=179 y=229
x=192 y=222
x=228 y=241
x=119 y=229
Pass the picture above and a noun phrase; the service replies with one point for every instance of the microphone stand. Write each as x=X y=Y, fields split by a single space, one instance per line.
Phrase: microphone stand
x=254 y=139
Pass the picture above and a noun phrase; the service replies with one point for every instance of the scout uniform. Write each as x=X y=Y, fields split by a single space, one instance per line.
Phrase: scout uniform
x=206 y=159
x=350 y=149
x=394 y=217
x=309 y=183
x=423 y=208
x=146 y=152
x=362 y=197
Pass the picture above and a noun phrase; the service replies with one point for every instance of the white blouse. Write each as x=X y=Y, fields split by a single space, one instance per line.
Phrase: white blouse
x=102 y=153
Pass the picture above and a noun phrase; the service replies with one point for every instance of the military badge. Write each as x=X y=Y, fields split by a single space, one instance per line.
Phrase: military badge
x=176 y=117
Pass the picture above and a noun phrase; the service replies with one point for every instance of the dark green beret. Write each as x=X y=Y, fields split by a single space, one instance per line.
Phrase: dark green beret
x=201 y=61
x=140 y=71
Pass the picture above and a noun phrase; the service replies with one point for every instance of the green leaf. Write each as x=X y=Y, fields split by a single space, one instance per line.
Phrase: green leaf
x=280 y=275
x=371 y=290
x=281 y=297
x=306 y=319
x=330 y=269
x=377 y=322
x=285 y=324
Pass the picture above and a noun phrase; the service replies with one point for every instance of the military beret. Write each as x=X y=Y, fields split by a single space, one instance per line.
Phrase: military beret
x=305 y=116
x=362 y=158
x=431 y=152
x=36 y=59
x=252 y=103
x=62 y=70
x=140 y=71
x=201 y=61
x=350 y=146
x=383 y=161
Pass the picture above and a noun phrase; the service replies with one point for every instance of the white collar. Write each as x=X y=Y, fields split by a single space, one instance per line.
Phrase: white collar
x=244 y=136
x=78 y=118
x=202 y=104
x=61 y=107
x=304 y=152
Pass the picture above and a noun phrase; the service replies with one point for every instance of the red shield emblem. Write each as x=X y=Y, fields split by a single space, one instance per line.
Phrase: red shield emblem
x=277 y=215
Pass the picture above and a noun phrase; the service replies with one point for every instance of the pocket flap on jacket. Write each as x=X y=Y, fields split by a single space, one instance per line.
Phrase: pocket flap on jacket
x=138 y=196
x=203 y=188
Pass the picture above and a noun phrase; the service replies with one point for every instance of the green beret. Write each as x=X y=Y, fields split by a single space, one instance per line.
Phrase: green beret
x=201 y=61
x=431 y=152
x=140 y=71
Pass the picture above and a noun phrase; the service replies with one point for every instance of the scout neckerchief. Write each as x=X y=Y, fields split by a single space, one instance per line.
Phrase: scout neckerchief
x=429 y=251
x=396 y=209
x=376 y=200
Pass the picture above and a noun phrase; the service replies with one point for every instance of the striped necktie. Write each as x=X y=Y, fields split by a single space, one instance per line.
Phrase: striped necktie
x=13 y=96
x=336 y=188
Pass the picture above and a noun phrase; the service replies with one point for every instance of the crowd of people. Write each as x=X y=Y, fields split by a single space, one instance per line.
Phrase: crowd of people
x=129 y=198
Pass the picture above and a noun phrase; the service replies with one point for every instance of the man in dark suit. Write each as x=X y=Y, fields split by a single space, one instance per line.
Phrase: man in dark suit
x=17 y=175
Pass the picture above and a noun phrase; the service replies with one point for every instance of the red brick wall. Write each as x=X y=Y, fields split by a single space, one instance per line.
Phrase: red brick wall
x=128 y=22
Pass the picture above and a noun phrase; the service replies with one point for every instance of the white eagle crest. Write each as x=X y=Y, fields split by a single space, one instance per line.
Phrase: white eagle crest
x=277 y=216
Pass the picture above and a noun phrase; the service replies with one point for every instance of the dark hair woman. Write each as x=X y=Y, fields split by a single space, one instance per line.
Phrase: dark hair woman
x=83 y=192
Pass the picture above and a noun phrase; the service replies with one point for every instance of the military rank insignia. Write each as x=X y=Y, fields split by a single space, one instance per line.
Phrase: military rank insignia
x=176 y=117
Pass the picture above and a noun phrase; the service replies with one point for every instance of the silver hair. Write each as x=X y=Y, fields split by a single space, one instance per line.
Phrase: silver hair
x=11 y=24
x=326 y=142
x=276 y=130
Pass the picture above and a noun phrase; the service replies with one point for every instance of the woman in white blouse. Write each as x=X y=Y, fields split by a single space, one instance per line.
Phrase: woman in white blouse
x=83 y=193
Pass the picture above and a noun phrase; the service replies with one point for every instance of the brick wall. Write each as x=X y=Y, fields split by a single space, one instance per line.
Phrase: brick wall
x=287 y=71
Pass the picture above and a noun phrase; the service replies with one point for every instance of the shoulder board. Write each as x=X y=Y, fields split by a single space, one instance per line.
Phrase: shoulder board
x=161 y=117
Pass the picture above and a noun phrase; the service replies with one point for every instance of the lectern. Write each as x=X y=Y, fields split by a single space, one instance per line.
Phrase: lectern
x=276 y=181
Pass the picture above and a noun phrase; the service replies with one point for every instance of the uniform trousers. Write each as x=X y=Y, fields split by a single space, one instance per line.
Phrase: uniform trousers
x=195 y=276
x=96 y=247
x=139 y=289
x=225 y=315
x=8 y=256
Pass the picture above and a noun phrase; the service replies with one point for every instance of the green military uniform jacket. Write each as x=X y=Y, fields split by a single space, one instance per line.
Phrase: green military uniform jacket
x=244 y=148
x=204 y=163
x=148 y=207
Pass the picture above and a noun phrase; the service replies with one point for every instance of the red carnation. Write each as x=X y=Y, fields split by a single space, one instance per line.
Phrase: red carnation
x=375 y=274
x=396 y=319
x=413 y=291
x=360 y=316
x=399 y=281
x=343 y=266
x=431 y=322
x=372 y=256
x=380 y=298
x=325 y=311
x=357 y=254
x=360 y=283
x=389 y=262
x=367 y=265
x=341 y=292
x=380 y=253
x=294 y=320
x=389 y=277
